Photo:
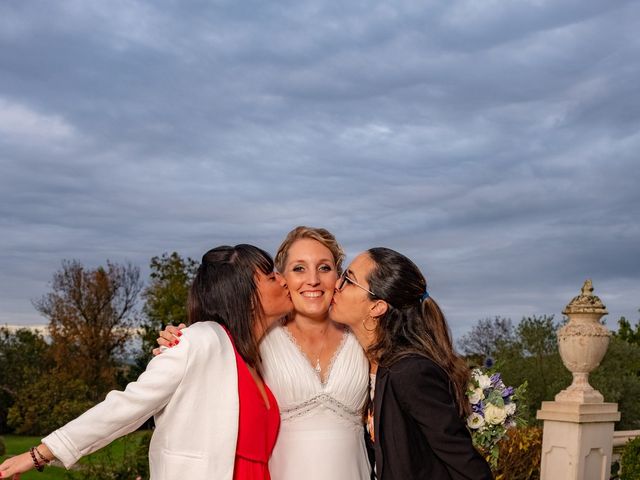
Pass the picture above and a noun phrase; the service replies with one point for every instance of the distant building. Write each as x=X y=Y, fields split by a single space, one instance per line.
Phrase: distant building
x=133 y=345
x=39 y=328
x=44 y=329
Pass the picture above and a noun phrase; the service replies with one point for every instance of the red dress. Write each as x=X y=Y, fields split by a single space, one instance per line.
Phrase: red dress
x=257 y=428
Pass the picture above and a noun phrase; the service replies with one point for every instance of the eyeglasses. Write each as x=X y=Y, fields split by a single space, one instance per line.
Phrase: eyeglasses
x=344 y=279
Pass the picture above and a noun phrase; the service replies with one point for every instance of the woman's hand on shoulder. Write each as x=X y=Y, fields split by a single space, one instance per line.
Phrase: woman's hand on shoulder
x=169 y=337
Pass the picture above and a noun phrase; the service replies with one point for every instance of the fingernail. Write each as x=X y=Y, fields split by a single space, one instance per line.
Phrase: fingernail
x=179 y=334
x=177 y=342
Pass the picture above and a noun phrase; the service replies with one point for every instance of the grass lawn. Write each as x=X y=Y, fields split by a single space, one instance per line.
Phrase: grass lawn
x=17 y=444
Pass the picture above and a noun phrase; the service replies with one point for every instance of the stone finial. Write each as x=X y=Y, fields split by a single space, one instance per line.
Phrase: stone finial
x=582 y=342
x=586 y=302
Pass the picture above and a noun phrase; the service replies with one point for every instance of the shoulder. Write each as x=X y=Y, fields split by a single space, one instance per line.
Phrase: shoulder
x=275 y=346
x=274 y=337
x=353 y=347
x=203 y=328
x=205 y=335
x=274 y=333
x=416 y=369
x=414 y=363
x=418 y=382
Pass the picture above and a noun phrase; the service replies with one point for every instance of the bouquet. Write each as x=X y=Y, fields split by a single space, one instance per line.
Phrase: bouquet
x=494 y=410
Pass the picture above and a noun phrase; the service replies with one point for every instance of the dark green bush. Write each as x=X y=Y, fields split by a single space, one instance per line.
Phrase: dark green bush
x=43 y=406
x=630 y=460
x=3 y=449
x=132 y=463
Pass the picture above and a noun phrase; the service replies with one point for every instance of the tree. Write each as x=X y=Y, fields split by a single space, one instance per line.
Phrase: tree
x=24 y=357
x=627 y=332
x=48 y=402
x=165 y=299
x=533 y=357
x=617 y=378
x=91 y=314
x=538 y=340
x=486 y=337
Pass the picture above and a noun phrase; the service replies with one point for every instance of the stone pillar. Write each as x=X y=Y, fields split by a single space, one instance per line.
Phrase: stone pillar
x=577 y=440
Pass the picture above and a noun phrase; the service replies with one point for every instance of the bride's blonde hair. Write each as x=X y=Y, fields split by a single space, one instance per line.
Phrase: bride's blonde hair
x=322 y=235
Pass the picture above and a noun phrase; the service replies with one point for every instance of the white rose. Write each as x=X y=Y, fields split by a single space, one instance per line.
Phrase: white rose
x=494 y=415
x=476 y=396
x=484 y=382
x=475 y=421
x=510 y=408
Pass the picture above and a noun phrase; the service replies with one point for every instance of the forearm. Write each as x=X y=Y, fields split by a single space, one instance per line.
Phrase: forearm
x=36 y=457
x=44 y=451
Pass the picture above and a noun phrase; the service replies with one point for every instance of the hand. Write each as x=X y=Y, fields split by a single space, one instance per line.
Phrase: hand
x=12 y=467
x=168 y=338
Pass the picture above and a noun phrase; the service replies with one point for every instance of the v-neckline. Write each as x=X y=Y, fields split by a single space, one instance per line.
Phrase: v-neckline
x=306 y=360
x=266 y=401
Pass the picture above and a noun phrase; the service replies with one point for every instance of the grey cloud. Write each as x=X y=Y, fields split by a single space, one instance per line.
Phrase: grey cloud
x=494 y=144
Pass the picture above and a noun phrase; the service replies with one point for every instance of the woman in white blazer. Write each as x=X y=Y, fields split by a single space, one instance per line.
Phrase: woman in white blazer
x=192 y=389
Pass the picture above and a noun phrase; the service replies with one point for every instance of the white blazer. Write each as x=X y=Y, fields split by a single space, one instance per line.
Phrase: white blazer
x=192 y=391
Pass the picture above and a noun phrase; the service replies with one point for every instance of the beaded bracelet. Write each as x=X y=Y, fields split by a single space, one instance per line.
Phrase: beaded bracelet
x=42 y=457
x=39 y=467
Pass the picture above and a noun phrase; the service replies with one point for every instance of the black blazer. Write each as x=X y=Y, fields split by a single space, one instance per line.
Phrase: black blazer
x=418 y=432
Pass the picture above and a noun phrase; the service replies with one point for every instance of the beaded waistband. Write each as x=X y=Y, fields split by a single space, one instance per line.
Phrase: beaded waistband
x=320 y=400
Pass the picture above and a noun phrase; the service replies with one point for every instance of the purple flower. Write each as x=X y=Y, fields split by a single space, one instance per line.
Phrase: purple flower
x=508 y=392
x=488 y=362
x=478 y=408
x=496 y=381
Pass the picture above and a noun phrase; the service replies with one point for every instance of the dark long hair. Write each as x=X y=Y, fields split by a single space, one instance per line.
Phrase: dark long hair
x=411 y=325
x=224 y=291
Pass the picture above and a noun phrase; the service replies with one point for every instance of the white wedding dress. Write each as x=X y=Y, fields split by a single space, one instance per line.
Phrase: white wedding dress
x=321 y=433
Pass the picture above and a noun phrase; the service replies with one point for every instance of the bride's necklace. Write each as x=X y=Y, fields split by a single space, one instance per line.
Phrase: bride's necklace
x=317 y=367
x=306 y=351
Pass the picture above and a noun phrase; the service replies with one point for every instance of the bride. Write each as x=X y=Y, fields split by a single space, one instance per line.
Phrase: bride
x=315 y=368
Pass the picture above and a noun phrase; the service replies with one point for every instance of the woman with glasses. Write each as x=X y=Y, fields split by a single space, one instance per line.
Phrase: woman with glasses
x=215 y=417
x=316 y=369
x=416 y=419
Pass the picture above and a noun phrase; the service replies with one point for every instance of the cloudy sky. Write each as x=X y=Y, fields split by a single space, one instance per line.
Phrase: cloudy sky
x=496 y=143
